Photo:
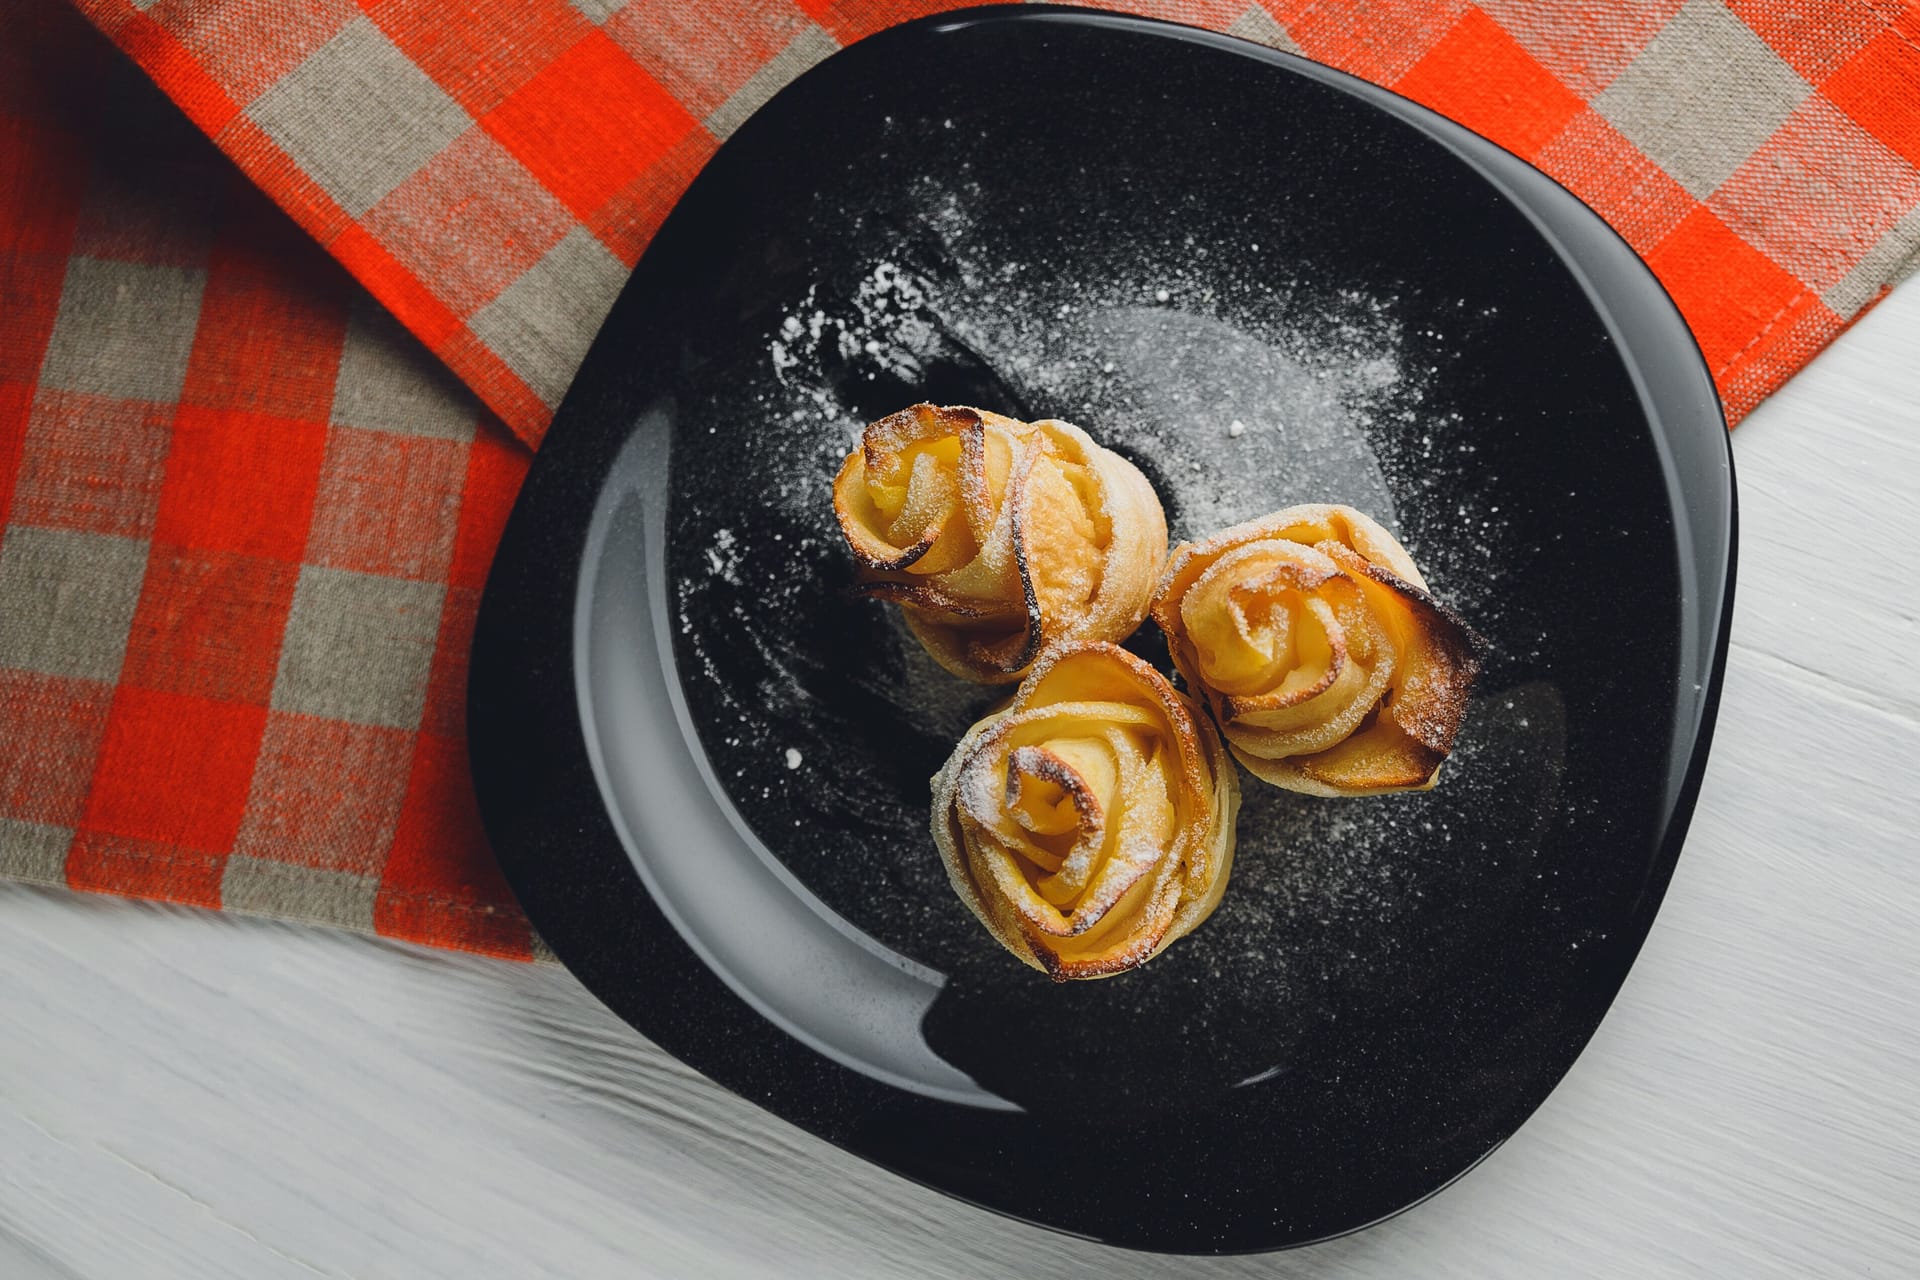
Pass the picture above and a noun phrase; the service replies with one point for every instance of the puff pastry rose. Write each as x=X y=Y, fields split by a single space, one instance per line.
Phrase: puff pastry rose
x=1090 y=823
x=999 y=538
x=1312 y=637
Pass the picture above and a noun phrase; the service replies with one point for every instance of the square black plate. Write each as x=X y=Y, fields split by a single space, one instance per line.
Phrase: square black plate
x=704 y=768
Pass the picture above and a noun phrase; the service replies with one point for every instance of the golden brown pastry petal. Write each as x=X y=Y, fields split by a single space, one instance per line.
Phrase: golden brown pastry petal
x=1311 y=636
x=999 y=538
x=1090 y=823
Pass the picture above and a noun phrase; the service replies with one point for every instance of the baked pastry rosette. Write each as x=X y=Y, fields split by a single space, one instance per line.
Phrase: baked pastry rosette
x=1313 y=639
x=1090 y=823
x=999 y=538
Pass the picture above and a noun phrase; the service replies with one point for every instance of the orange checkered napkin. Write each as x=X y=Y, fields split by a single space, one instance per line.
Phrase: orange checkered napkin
x=244 y=522
x=245 y=512
x=490 y=172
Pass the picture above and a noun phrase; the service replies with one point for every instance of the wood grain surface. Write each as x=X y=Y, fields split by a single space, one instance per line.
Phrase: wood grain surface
x=191 y=1095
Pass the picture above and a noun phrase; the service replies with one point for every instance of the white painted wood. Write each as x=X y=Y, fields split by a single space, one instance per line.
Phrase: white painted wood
x=190 y=1095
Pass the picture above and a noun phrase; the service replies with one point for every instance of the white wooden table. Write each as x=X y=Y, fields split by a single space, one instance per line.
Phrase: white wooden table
x=184 y=1094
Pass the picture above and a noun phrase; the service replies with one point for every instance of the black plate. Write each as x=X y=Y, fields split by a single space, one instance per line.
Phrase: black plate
x=704 y=769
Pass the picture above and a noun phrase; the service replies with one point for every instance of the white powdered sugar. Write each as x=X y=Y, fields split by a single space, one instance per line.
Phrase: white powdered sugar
x=1232 y=401
x=723 y=557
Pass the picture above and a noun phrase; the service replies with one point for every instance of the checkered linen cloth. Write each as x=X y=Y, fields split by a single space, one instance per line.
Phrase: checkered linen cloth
x=245 y=513
x=244 y=522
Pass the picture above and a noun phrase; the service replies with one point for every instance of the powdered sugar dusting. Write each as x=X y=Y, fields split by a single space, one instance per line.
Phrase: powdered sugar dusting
x=981 y=791
x=723 y=557
x=1156 y=370
x=1236 y=390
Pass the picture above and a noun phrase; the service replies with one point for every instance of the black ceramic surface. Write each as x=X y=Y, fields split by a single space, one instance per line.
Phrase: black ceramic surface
x=704 y=768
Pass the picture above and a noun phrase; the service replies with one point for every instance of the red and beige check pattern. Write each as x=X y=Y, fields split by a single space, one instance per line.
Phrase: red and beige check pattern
x=245 y=512
x=244 y=523
x=490 y=175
